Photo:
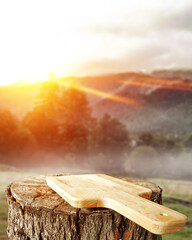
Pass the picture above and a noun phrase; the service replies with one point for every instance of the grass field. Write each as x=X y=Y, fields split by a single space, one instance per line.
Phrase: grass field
x=172 y=188
x=179 y=190
x=3 y=216
x=186 y=233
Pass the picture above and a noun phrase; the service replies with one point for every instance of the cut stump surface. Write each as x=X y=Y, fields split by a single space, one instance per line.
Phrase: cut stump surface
x=36 y=212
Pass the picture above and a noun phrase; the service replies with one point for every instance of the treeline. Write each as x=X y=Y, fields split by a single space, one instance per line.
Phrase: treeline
x=61 y=123
x=158 y=155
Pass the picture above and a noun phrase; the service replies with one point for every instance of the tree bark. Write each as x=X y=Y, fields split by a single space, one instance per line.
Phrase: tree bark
x=36 y=212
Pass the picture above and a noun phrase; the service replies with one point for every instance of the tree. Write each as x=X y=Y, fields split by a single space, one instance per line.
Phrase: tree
x=143 y=161
x=146 y=139
x=49 y=96
x=8 y=124
x=187 y=141
x=111 y=136
x=42 y=121
x=159 y=141
x=43 y=126
x=164 y=143
x=75 y=121
x=61 y=120
x=22 y=142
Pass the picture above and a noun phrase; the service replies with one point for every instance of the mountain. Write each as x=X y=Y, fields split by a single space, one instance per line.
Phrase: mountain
x=145 y=103
x=164 y=105
x=181 y=74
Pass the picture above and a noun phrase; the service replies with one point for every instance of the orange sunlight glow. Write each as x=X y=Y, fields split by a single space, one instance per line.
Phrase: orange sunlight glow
x=113 y=97
x=42 y=36
x=146 y=81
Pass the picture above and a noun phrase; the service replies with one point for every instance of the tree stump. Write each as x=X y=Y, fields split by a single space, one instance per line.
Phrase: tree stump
x=36 y=212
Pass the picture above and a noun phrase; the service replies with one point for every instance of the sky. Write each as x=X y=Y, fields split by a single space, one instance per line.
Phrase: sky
x=86 y=37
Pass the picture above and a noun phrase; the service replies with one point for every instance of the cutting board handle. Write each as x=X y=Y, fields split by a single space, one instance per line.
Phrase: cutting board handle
x=91 y=191
x=151 y=216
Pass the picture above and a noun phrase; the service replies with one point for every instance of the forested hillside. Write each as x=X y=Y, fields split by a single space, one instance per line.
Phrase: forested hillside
x=135 y=127
x=130 y=97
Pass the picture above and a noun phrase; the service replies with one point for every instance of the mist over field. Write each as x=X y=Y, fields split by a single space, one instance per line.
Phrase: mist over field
x=126 y=124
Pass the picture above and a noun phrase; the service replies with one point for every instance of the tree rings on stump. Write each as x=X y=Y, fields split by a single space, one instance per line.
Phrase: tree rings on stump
x=36 y=212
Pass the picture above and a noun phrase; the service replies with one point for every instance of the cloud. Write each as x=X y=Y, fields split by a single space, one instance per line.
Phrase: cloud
x=138 y=23
x=163 y=49
x=177 y=20
x=145 y=39
x=93 y=37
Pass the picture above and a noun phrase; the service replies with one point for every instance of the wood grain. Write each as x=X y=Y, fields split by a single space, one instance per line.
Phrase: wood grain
x=37 y=212
x=130 y=200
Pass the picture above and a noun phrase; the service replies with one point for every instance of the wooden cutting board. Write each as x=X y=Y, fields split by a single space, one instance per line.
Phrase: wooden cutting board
x=130 y=200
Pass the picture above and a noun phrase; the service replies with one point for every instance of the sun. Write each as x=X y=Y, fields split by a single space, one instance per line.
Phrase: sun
x=38 y=38
x=65 y=37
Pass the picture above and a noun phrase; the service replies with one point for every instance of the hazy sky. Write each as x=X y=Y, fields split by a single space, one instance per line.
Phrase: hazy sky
x=85 y=37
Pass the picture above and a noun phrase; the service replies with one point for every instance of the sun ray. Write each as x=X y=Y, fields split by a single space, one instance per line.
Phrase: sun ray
x=160 y=83
x=112 y=97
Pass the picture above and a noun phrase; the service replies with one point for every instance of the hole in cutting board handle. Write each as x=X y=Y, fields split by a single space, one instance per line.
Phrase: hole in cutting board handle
x=164 y=214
